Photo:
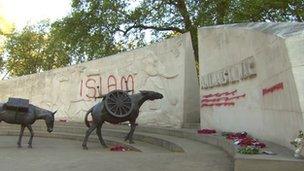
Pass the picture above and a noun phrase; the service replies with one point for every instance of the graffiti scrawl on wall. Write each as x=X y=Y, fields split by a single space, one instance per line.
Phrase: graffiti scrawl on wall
x=273 y=88
x=221 y=99
x=95 y=85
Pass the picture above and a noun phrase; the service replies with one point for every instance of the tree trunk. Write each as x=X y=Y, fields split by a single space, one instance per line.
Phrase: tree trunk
x=189 y=26
x=194 y=40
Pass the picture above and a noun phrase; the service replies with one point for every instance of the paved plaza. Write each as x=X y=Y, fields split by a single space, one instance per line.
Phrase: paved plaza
x=60 y=154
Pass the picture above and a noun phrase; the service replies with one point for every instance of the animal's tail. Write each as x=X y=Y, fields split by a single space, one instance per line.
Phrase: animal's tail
x=86 y=117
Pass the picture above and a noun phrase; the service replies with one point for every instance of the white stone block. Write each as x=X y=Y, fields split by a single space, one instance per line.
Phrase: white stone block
x=166 y=67
x=277 y=48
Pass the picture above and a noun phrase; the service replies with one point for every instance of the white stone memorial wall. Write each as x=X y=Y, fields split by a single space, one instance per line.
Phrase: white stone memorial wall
x=251 y=79
x=162 y=67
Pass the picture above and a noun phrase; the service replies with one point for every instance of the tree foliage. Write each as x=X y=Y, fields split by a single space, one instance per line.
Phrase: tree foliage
x=6 y=28
x=25 y=51
x=94 y=26
x=87 y=36
x=98 y=28
x=32 y=50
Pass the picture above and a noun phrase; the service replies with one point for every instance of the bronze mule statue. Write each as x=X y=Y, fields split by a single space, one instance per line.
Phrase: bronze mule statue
x=125 y=108
x=26 y=118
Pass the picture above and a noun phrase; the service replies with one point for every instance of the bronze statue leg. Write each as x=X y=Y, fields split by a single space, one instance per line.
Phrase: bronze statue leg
x=130 y=135
x=98 y=132
x=88 y=133
x=20 y=135
x=29 y=127
x=127 y=136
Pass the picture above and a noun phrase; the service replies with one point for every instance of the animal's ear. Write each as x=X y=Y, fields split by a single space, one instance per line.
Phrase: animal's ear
x=54 y=112
x=143 y=92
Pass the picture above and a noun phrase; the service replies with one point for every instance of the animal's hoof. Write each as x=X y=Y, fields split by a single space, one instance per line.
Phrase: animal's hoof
x=85 y=147
x=131 y=142
x=29 y=146
x=19 y=145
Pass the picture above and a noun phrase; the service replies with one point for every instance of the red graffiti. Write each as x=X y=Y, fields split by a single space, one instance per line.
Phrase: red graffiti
x=63 y=120
x=94 y=85
x=276 y=87
x=220 y=99
x=125 y=82
x=112 y=83
x=81 y=84
x=220 y=94
x=89 y=86
x=218 y=104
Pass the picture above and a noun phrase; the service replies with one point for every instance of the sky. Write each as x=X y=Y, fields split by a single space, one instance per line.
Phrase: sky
x=23 y=12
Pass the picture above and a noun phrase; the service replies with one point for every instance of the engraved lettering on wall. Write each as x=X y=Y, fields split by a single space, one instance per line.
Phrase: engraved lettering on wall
x=231 y=74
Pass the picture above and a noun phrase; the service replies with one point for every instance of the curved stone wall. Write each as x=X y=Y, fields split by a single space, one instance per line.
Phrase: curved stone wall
x=251 y=78
x=166 y=67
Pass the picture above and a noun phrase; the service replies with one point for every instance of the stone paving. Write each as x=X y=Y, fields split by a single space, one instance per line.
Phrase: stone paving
x=61 y=154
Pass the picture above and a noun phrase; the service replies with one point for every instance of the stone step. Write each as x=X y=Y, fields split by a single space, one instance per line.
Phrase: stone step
x=187 y=141
x=73 y=132
x=110 y=141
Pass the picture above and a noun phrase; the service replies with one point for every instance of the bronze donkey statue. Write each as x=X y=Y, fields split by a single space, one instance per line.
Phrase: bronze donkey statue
x=100 y=115
x=26 y=119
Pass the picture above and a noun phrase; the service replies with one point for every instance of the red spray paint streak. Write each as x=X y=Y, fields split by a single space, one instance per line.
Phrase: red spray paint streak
x=274 y=88
x=220 y=94
x=112 y=84
x=221 y=99
x=124 y=82
x=91 y=86
x=81 y=85
x=218 y=104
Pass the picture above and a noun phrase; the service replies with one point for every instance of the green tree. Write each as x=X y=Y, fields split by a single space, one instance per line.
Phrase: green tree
x=98 y=28
x=24 y=52
x=2 y=63
x=33 y=50
x=86 y=36
x=55 y=53
x=6 y=28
